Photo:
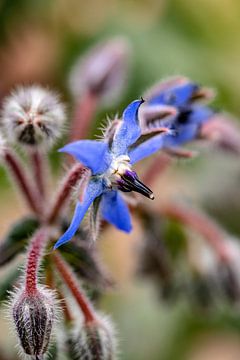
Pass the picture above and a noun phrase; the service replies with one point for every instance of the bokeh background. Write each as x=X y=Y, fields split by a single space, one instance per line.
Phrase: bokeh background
x=39 y=42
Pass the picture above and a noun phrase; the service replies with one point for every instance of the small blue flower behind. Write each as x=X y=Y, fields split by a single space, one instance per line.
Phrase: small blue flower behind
x=188 y=98
x=110 y=162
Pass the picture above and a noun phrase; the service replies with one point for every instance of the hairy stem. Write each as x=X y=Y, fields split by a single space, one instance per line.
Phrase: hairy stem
x=66 y=311
x=77 y=173
x=50 y=282
x=202 y=224
x=83 y=116
x=72 y=283
x=35 y=252
x=156 y=168
x=18 y=172
x=39 y=171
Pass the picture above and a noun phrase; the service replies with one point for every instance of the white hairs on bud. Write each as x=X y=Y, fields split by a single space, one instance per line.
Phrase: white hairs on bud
x=103 y=70
x=34 y=328
x=97 y=336
x=33 y=116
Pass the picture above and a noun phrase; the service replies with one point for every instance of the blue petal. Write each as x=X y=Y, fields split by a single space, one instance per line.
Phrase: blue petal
x=115 y=211
x=176 y=96
x=201 y=114
x=91 y=153
x=147 y=148
x=129 y=130
x=188 y=127
x=94 y=189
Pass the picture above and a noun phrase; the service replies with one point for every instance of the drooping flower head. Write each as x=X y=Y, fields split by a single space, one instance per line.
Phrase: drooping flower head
x=188 y=98
x=110 y=162
x=32 y=116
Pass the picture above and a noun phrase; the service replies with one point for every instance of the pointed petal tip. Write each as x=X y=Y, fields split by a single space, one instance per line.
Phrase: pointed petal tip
x=127 y=231
x=59 y=243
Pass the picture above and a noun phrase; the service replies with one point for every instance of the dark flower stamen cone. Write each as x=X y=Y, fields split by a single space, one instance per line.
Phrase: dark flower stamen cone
x=130 y=182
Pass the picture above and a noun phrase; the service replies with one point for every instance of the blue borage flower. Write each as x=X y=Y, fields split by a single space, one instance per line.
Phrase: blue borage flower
x=188 y=98
x=110 y=162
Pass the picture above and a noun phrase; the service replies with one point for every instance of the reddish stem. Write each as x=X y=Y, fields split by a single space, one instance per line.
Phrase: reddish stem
x=63 y=195
x=39 y=172
x=17 y=169
x=83 y=115
x=67 y=313
x=73 y=286
x=51 y=284
x=202 y=224
x=35 y=252
x=156 y=168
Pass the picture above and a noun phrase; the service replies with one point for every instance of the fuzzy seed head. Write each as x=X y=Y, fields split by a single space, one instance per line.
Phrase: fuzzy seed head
x=103 y=70
x=34 y=315
x=2 y=145
x=94 y=341
x=33 y=116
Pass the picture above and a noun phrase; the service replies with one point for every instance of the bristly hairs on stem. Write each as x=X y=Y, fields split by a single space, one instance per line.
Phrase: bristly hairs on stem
x=34 y=308
x=77 y=174
x=73 y=285
x=22 y=180
x=40 y=167
x=35 y=252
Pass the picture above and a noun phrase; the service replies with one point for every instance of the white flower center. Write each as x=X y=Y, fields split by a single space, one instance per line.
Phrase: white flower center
x=117 y=168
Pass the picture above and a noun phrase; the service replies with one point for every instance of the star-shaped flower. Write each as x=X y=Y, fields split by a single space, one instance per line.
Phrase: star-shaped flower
x=110 y=162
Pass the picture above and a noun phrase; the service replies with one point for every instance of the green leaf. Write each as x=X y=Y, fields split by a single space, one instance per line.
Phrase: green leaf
x=16 y=240
x=7 y=283
x=86 y=263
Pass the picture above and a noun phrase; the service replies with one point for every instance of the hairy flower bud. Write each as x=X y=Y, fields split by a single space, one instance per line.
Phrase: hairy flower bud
x=93 y=341
x=102 y=71
x=223 y=131
x=34 y=315
x=33 y=116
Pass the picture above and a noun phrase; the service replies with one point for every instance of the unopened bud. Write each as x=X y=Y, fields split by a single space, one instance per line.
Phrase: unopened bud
x=223 y=131
x=93 y=341
x=102 y=71
x=33 y=116
x=34 y=315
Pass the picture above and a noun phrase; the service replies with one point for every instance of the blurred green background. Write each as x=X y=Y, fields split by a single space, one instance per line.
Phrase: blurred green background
x=39 y=42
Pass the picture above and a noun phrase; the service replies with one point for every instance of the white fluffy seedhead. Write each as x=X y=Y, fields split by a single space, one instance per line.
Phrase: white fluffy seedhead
x=102 y=70
x=2 y=145
x=33 y=116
